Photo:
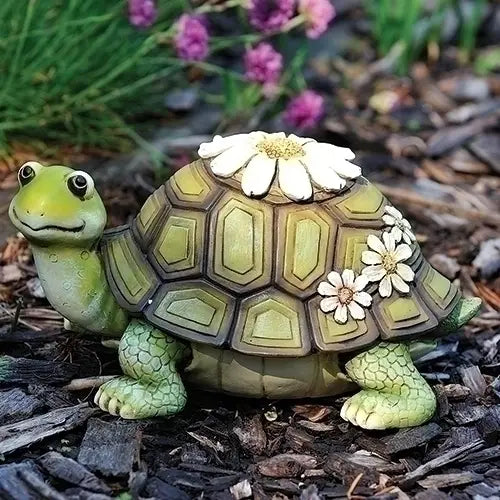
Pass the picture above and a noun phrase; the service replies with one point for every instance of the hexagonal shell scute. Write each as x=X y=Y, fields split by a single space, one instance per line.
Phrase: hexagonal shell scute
x=331 y=336
x=177 y=251
x=362 y=206
x=438 y=292
x=305 y=248
x=403 y=316
x=192 y=187
x=130 y=275
x=240 y=252
x=272 y=323
x=193 y=310
x=150 y=217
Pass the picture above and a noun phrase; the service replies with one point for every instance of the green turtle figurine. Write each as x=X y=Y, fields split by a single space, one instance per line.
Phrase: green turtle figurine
x=267 y=268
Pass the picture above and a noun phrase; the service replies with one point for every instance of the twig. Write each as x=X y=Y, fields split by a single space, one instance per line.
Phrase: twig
x=81 y=384
x=408 y=197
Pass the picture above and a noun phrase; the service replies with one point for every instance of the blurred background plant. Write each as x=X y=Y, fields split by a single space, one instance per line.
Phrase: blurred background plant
x=86 y=72
x=95 y=73
x=410 y=26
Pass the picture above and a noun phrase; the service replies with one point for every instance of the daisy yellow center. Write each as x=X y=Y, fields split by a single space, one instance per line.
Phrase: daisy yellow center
x=345 y=295
x=281 y=148
x=389 y=263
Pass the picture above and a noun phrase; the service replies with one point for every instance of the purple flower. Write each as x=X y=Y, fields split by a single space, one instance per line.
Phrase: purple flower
x=305 y=110
x=141 y=13
x=263 y=65
x=270 y=15
x=191 y=40
x=317 y=14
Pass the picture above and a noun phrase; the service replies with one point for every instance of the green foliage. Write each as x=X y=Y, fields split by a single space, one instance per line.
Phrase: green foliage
x=469 y=28
x=393 y=23
x=76 y=71
x=488 y=61
x=407 y=26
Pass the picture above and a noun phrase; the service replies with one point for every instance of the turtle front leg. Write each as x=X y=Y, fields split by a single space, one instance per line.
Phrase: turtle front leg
x=394 y=394
x=151 y=386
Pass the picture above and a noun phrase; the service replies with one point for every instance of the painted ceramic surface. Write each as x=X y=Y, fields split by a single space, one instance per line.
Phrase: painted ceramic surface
x=225 y=269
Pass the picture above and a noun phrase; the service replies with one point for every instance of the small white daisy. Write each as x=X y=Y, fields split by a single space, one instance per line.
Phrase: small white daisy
x=344 y=294
x=385 y=264
x=299 y=162
x=401 y=229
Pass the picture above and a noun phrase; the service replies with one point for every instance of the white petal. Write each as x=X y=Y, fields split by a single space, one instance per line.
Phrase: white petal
x=389 y=220
x=220 y=144
x=397 y=234
x=374 y=273
x=363 y=298
x=294 y=180
x=399 y=284
x=389 y=242
x=375 y=244
x=323 y=176
x=394 y=212
x=331 y=151
x=357 y=312
x=360 y=283
x=348 y=278
x=230 y=161
x=406 y=223
x=341 y=314
x=405 y=272
x=369 y=257
x=329 y=304
x=326 y=165
x=301 y=140
x=403 y=252
x=258 y=175
x=385 y=287
x=409 y=233
x=335 y=279
x=326 y=289
x=347 y=169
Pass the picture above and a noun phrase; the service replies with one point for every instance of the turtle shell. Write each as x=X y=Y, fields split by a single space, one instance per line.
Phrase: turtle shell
x=208 y=264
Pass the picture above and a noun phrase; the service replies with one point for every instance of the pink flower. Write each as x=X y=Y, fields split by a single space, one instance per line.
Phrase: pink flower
x=305 y=110
x=270 y=15
x=142 y=13
x=263 y=65
x=317 y=14
x=191 y=40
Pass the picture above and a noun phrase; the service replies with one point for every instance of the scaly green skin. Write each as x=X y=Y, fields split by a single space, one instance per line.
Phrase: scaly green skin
x=64 y=229
x=151 y=386
x=394 y=393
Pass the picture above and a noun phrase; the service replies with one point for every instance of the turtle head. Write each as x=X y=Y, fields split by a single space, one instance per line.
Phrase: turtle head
x=57 y=206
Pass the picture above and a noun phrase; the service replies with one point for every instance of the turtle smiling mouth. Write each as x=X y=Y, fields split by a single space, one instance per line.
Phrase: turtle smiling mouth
x=52 y=227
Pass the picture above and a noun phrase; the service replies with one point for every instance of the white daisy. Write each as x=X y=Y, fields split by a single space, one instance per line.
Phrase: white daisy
x=385 y=264
x=401 y=229
x=299 y=162
x=344 y=294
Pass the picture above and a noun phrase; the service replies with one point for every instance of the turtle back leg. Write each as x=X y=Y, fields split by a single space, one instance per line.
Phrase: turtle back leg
x=151 y=386
x=393 y=393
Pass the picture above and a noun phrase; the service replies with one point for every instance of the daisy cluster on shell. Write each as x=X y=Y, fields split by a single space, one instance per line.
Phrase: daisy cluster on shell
x=299 y=165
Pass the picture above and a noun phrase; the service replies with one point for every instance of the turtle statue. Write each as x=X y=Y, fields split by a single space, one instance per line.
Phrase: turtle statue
x=267 y=268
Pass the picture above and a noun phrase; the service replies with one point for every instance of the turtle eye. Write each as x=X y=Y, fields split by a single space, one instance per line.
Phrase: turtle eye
x=81 y=185
x=28 y=172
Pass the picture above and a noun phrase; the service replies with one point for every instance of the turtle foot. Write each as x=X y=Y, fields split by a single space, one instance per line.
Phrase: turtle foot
x=371 y=409
x=133 y=399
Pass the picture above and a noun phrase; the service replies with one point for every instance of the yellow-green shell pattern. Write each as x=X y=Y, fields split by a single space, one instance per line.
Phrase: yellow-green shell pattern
x=207 y=264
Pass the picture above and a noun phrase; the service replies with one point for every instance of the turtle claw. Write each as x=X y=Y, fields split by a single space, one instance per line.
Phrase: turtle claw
x=371 y=409
x=131 y=399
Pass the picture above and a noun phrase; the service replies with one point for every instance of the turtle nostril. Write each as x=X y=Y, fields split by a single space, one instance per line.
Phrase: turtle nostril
x=27 y=211
x=42 y=214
